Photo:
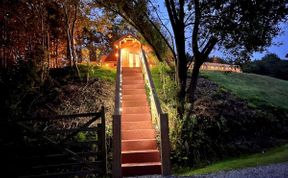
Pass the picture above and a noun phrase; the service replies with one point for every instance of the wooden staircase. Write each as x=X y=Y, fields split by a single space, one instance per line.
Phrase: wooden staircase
x=140 y=155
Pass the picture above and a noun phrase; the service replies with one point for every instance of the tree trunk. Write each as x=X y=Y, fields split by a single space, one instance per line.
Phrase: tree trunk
x=72 y=41
x=56 y=53
x=44 y=50
x=68 y=35
x=48 y=49
x=69 y=52
x=181 y=73
x=193 y=83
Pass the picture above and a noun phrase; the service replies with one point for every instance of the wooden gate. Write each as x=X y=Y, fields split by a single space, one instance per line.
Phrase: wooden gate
x=60 y=146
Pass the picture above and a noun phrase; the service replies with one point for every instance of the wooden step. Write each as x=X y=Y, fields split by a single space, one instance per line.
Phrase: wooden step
x=133 y=103
x=139 y=97
x=138 y=134
x=135 y=110
x=133 y=91
x=125 y=69
x=127 y=82
x=140 y=156
x=140 y=144
x=132 y=77
x=136 y=117
x=136 y=125
x=134 y=169
x=133 y=86
x=132 y=74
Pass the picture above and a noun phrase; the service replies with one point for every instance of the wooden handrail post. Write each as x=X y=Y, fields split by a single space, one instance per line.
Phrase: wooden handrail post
x=165 y=145
x=103 y=140
x=116 y=164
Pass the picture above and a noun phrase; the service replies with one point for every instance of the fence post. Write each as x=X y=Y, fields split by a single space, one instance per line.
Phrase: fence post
x=103 y=140
x=165 y=146
x=116 y=163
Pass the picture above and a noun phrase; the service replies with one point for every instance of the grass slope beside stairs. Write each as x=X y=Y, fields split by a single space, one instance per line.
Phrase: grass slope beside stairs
x=257 y=89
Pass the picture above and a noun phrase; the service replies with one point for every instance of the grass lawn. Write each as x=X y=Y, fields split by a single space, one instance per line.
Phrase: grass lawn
x=275 y=155
x=257 y=89
x=104 y=73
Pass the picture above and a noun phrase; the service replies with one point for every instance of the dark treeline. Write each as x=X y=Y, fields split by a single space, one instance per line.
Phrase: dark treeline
x=270 y=65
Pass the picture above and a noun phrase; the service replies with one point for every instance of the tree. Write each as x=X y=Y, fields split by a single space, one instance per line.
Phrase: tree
x=71 y=9
x=238 y=26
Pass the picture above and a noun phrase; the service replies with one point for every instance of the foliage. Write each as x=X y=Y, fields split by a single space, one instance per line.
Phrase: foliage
x=166 y=90
x=270 y=65
x=162 y=77
x=95 y=71
x=81 y=136
x=21 y=85
x=275 y=155
x=254 y=88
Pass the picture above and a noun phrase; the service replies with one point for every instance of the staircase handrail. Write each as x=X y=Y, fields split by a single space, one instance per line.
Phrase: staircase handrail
x=116 y=163
x=118 y=87
x=151 y=85
x=162 y=117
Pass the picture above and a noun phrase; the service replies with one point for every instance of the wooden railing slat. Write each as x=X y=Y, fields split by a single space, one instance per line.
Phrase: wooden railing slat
x=58 y=131
x=66 y=165
x=97 y=115
x=103 y=140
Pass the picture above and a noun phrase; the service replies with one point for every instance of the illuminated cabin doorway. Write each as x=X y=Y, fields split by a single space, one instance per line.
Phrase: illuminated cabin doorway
x=130 y=59
x=134 y=60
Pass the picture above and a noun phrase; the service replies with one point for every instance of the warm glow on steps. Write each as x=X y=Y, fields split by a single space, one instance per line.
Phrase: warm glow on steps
x=140 y=155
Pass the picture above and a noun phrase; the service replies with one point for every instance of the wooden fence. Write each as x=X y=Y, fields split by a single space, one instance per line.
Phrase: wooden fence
x=60 y=146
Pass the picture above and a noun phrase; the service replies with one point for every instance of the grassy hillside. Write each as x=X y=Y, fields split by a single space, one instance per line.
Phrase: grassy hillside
x=93 y=71
x=257 y=89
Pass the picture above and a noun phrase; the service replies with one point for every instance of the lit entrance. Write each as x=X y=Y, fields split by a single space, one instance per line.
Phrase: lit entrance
x=133 y=60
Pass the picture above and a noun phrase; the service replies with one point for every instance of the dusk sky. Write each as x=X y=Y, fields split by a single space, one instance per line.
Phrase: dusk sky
x=279 y=46
x=282 y=39
x=280 y=50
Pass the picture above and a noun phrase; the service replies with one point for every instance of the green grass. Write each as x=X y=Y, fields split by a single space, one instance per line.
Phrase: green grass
x=275 y=155
x=104 y=73
x=257 y=89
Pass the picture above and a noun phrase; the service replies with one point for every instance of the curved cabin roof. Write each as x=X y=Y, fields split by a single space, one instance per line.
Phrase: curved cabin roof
x=123 y=42
x=124 y=39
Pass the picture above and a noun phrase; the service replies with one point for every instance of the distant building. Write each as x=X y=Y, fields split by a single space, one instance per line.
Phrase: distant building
x=218 y=64
x=220 y=67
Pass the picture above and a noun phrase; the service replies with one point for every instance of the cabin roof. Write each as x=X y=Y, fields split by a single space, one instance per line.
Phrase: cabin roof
x=125 y=36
